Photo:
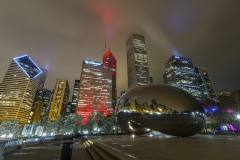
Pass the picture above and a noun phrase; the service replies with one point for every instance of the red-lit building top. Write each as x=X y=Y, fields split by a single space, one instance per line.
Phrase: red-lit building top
x=109 y=61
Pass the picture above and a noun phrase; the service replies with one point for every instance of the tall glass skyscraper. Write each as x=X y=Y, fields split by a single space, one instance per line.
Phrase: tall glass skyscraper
x=75 y=97
x=137 y=62
x=59 y=99
x=18 y=89
x=45 y=95
x=180 y=72
x=206 y=83
x=110 y=61
x=37 y=109
x=68 y=110
x=42 y=78
x=95 y=91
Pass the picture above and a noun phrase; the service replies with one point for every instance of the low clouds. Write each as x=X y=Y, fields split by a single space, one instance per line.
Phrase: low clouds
x=61 y=34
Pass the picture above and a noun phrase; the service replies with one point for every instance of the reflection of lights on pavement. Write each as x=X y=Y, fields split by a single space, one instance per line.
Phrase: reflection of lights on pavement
x=133 y=135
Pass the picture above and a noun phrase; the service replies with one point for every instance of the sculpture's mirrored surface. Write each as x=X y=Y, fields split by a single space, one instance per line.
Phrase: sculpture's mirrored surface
x=163 y=108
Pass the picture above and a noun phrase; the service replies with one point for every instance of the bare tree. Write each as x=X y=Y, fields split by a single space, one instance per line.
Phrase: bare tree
x=10 y=126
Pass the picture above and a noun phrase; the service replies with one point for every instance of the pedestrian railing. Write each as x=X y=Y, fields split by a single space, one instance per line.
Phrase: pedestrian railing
x=32 y=140
x=10 y=145
x=7 y=145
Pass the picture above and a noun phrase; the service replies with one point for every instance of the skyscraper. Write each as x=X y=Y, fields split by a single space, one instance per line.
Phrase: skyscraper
x=59 y=99
x=68 y=110
x=206 y=83
x=45 y=95
x=180 y=72
x=18 y=89
x=95 y=91
x=110 y=61
x=74 y=97
x=43 y=77
x=37 y=110
x=137 y=62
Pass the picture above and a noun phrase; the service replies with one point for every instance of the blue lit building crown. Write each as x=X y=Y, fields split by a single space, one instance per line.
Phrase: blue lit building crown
x=28 y=66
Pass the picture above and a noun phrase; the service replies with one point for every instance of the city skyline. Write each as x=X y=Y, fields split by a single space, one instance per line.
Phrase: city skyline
x=60 y=35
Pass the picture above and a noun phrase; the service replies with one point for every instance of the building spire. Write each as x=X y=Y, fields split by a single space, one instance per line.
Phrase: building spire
x=105 y=48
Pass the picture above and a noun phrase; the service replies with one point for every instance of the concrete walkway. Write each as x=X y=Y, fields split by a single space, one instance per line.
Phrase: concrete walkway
x=49 y=151
x=198 y=147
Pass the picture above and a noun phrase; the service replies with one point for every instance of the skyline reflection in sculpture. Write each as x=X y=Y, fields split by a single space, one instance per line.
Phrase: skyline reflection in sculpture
x=153 y=108
x=162 y=108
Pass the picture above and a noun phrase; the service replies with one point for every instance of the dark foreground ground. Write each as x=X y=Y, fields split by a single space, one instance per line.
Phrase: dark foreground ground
x=48 y=151
x=199 y=147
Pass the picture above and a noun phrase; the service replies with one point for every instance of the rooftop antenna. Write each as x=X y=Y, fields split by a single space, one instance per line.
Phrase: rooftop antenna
x=105 y=48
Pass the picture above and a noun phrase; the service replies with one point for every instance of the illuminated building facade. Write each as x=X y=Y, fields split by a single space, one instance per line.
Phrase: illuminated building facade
x=95 y=90
x=180 y=72
x=206 y=83
x=59 y=99
x=109 y=61
x=43 y=77
x=18 y=89
x=68 y=109
x=74 y=97
x=38 y=106
x=137 y=62
x=45 y=95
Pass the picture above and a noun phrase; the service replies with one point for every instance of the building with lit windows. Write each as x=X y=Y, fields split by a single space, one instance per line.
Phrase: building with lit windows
x=95 y=90
x=206 y=83
x=180 y=72
x=18 y=89
x=68 y=110
x=38 y=106
x=43 y=77
x=45 y=95
x=110 y=61
x=74 y=97
x=59 y=99
x=137 y=62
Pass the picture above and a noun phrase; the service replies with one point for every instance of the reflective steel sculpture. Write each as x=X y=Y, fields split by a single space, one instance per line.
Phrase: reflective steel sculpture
x=162 y=108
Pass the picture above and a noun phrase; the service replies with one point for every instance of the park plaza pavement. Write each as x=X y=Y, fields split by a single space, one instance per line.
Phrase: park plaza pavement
x=164 y=147
x=48 y=151
x=161 y=147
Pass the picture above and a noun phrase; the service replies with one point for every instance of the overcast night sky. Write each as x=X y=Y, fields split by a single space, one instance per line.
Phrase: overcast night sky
x=59 y=34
